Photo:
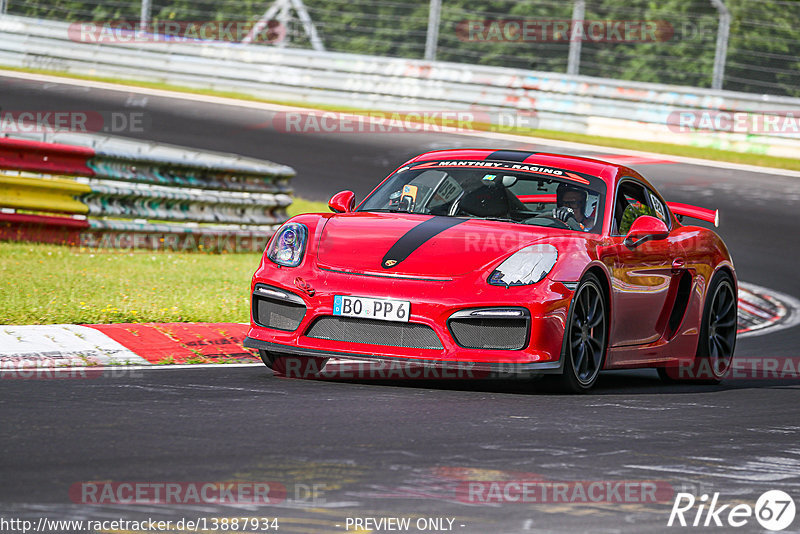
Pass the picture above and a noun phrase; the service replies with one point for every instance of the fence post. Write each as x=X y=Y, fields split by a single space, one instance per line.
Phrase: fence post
x=434 y=16
x=576 y=37
x=722 y=43
x=308 y=25
x=3 y=6
x=284 y=18
x=144 y=18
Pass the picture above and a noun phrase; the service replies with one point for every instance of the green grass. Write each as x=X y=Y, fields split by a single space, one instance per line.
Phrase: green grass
x=301 y=205
x=629 y=144
x=47 y=284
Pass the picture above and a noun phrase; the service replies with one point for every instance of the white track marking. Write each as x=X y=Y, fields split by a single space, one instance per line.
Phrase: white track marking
x=480 y=134
x=59 y=345
x=54 y=346
x=790 y=303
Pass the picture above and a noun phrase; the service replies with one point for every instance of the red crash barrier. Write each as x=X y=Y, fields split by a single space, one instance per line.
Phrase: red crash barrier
x=46 y=158
x=41 y=228
x=51 y=158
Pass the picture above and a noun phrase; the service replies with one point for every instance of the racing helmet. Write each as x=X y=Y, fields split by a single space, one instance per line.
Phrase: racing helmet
x=563 y=189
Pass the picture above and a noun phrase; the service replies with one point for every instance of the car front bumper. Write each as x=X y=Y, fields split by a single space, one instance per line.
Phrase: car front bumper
x=433 y=304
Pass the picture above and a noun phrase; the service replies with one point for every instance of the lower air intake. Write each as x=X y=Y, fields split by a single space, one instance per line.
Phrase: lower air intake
x=390 y=334
x=277 y=314
x=500 y=334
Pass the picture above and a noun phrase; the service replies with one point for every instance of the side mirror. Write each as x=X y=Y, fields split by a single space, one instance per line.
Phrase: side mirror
x=342 y=202
x=646 y=228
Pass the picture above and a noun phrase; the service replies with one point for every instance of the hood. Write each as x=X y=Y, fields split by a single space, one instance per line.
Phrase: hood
x=420 y=245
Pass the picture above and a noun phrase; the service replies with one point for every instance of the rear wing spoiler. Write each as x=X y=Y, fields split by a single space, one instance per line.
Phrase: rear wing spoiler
x=687 y=210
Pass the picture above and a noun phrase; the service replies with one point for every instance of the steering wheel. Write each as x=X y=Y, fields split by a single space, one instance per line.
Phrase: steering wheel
x=456 y=206
x=551 y=218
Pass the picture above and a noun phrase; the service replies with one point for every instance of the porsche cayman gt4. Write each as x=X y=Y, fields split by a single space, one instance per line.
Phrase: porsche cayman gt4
x=501 y=260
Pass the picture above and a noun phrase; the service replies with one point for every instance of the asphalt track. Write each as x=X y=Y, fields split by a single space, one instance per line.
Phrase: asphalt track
x=395 y=448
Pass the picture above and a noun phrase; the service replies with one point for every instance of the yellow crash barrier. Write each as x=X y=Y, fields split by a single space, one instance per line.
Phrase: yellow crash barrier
x=42 y=194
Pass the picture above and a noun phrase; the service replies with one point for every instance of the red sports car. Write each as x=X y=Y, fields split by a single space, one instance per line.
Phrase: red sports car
x=501 y=260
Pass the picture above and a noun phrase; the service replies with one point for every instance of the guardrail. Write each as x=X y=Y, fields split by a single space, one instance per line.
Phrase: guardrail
x=19 y=192
x=594 y=106
x=127 y=194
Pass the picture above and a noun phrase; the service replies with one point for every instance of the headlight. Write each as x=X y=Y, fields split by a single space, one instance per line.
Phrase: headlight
x=288 y=245
x=526 y=266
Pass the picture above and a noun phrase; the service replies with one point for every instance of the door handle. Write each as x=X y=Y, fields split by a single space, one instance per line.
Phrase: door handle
x=678 y=263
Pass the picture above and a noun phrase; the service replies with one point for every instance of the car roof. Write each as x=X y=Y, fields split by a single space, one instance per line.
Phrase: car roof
x=602 y=169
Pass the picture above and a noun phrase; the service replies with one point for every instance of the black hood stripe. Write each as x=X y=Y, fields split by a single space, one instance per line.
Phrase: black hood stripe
x=414 y=238
x=509 y=155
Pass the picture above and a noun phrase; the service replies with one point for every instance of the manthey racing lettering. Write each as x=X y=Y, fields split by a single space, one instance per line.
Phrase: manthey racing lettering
x=519 y=167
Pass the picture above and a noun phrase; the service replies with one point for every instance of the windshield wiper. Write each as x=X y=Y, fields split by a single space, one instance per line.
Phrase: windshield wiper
x=501 y=219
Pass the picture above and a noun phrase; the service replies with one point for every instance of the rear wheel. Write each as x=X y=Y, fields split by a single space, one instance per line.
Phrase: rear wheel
x=585 y=338
x=293 y=366
x=717 y=341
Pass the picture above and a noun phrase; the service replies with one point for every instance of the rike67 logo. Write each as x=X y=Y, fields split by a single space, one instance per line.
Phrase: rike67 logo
x=774 y=510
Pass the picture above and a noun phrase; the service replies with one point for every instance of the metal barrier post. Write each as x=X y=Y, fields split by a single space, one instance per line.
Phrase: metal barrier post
x=722 y=43
x=434 y=16
x=576 y=37
x=144 y=20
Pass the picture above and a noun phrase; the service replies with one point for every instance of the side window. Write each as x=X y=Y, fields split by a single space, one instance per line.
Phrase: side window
x=658 y=207
x=630 y=204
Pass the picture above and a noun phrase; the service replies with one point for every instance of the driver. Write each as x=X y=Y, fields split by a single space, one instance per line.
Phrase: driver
x=571 y=207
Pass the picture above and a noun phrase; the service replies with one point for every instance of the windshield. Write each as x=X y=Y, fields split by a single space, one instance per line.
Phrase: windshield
x=507 y=191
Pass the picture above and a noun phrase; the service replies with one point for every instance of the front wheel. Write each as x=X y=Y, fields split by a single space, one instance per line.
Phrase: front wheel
x=293 y=366
x=585 y=338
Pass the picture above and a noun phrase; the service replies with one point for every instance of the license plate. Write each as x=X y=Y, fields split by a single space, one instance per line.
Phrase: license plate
x=369 y=308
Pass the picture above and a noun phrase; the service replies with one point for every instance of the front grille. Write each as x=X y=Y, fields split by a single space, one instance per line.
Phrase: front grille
x=390 y=334
x=277 y=313
x=502 y=334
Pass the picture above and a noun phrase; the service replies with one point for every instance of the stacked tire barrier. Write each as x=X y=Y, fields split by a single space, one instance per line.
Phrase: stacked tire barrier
x=729 y=120
x=123 y=194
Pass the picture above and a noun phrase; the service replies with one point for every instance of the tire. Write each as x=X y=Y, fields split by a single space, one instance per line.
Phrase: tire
x=667 y=375
x=292 y=366
x=585 y=338
x=717 y=340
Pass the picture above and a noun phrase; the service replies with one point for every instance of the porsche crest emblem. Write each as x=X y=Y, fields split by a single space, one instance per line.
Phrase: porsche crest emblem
x=390 y=263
